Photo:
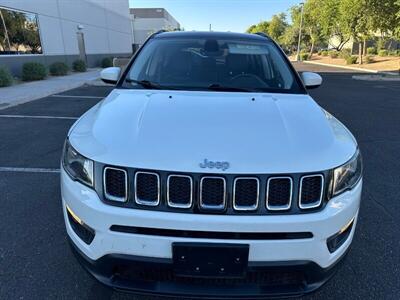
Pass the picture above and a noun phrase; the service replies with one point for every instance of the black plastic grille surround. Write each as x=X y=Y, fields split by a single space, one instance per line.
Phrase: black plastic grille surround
x=147 y=188
x=212 y=192
x=218 y=193
x=279 y=193
x=246 y=193
x=179 y=191
x=311 y=191
x=115 y=182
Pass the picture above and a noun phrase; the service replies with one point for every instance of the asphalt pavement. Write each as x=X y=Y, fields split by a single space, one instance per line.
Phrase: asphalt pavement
x=35 y=259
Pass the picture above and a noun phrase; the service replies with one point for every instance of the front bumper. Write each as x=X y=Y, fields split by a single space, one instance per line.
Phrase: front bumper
x=109 y=248
x=151 y=276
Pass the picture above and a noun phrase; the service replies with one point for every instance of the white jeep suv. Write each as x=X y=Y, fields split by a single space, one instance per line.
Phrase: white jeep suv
x=210 y=172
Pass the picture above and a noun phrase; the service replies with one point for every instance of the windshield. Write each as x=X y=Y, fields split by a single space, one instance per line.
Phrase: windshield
x=210 y=64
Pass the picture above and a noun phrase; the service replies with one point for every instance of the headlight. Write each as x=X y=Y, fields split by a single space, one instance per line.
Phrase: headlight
x=347 y=176
x=77 y=166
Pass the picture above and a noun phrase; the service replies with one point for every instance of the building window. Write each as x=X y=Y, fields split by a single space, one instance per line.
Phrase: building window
x=19 y=33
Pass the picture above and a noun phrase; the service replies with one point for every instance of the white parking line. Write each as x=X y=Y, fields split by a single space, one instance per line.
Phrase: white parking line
x=38 y=117
x=29 y=170
x=75 y=96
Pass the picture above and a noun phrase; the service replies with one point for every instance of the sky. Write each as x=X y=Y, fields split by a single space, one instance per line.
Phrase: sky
x=223 y=15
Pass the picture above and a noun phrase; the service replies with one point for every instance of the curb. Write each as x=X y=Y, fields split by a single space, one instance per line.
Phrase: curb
x=345 y=67
x=377 y=77
x=352 y=68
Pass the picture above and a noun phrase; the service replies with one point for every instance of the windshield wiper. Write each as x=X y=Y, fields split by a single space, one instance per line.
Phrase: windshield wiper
x=148 y=84
x=218 y=87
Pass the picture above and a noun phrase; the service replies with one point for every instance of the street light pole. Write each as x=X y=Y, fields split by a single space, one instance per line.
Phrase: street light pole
x=300 y=29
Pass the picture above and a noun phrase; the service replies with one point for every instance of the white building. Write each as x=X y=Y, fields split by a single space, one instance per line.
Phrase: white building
x=63 y=30
x=146 y=21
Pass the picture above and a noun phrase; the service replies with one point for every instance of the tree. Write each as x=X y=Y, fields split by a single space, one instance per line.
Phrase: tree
x=355 y=22
x=260 y=27
x=384 y=18
x=312 y=23
x=251 y=29
x=397 y=28
x=384 y=15
x=277 y=26
x=289 y=38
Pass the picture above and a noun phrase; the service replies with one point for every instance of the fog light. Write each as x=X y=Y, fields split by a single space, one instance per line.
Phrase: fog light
x=337 y=240
x=85 y=233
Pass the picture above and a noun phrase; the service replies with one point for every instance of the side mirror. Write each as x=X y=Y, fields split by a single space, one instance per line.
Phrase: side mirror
x=311 y=80
x=110 y=75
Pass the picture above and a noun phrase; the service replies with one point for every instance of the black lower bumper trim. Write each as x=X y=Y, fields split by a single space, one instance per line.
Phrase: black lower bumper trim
x=155 y=276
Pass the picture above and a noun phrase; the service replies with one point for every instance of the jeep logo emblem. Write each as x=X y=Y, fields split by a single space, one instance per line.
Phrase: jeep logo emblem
x=222 y=165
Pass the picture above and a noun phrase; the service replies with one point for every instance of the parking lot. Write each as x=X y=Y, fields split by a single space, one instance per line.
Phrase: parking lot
x=35 y=259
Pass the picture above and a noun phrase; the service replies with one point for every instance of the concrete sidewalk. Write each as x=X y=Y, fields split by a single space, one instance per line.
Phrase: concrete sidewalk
x=25 y=92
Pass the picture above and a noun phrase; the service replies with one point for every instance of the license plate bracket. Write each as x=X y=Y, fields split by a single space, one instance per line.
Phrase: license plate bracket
x=210 y=260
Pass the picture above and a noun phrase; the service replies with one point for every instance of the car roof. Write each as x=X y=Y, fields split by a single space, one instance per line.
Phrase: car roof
x=210 y=35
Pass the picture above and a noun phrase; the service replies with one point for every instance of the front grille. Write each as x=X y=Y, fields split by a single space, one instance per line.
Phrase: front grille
x=246 y=191
x=212 y=193
x=199 y=193
x=279 y=193
x=311 y=191
x=115 y=184
x=147 y=188
x=179 y=191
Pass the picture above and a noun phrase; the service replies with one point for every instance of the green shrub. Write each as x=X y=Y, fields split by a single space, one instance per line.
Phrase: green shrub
x=350 y=60
x=380 y=44
x=324 y=53
x=106 y=62
x=79 y=65
x=5 y=77
x=319 y=52
x=58 y=69
x=334 y=54
x=304 y=56
x=345 y=53
x=383 y=53
x=371 y=50
x=369 y=59
x=33 y=71
x=394 y=53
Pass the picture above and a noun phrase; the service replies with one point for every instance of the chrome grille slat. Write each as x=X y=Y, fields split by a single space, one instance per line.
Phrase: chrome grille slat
x=304 y=191
x=269 y=198
x=149 y=176
x=173 y=202
x=239 y=193
x=108 y=181
x=205 y=192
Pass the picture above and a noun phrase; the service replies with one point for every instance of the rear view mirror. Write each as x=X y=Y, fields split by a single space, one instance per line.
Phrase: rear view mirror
x=311 y=80
x=110 y=75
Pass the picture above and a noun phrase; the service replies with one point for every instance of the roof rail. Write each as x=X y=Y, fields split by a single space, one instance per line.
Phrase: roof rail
x=263 y=34
x=159 y=31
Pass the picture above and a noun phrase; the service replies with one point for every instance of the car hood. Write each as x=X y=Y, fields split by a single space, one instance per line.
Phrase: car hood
x=178 y=130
